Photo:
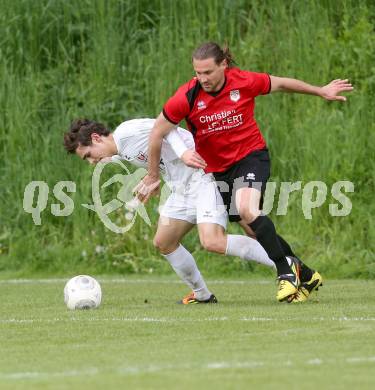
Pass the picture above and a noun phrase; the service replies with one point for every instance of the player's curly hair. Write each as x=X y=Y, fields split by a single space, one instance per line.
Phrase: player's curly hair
x=80 y=134
x=213 y=50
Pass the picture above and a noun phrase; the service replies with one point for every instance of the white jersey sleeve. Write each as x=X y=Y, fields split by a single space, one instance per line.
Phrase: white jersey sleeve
x=194 y=197
x=179 y=142
x=132 y=137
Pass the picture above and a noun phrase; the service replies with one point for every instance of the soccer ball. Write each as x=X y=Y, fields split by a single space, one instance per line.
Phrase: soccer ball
x=82 y=292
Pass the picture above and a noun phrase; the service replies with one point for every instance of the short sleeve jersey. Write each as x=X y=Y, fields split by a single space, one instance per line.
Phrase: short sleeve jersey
x=131 y=139
x=223 y=125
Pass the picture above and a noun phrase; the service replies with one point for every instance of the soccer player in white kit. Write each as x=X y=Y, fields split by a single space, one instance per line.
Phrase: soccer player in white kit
x=194 y=198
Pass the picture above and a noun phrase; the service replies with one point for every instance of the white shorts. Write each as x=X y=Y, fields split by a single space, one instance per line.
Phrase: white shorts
x=202 y=204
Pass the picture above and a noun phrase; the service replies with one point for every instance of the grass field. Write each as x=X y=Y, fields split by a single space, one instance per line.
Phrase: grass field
x=140 y=339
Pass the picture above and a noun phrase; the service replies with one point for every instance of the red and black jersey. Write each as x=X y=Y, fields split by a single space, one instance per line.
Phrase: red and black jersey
x=223 y=125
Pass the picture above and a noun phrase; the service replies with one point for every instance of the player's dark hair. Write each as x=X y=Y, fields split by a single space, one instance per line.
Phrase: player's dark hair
x=80 y=134
x=213 y=50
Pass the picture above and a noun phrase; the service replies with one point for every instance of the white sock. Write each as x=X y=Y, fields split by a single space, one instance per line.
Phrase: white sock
x=248 y=249
x=186 y=268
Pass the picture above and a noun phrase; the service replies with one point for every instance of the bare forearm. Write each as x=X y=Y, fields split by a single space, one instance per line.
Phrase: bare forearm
x=297 y=86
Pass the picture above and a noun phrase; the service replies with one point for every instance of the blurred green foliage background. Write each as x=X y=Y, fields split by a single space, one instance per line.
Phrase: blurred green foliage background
x=117 y=60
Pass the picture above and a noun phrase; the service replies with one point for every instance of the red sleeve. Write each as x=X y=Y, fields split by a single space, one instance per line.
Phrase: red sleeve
x=177 y=107
x=259 y=83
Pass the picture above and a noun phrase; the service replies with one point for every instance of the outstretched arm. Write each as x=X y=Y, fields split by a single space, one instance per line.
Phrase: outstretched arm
x=330 y=91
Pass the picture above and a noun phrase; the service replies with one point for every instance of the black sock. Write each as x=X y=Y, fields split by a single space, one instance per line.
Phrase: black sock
x=286 y=247
x=306 y=272
x=265 y=232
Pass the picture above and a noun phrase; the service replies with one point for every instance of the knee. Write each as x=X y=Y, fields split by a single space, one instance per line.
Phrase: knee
x=214 y=244
x=164 y=247
x=248 y=214
x=247 y=202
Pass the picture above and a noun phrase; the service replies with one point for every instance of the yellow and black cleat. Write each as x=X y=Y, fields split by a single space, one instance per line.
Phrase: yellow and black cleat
x=307 y=288
x=289 y=283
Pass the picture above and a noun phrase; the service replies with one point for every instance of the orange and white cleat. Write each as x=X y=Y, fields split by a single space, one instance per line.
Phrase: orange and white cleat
x=191 y=300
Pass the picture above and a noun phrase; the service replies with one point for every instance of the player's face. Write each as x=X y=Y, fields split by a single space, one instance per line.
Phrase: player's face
x=101 y=147
x=210 y=75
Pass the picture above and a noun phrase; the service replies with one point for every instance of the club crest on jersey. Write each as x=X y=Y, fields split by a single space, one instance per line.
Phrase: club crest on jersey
x=201 y=105
x=234 y=95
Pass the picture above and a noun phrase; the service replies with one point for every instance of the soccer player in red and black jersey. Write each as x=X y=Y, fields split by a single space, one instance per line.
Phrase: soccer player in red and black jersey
x=218 y=106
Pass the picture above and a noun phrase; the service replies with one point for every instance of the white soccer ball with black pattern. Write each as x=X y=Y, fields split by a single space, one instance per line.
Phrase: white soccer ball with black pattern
x=82 y=292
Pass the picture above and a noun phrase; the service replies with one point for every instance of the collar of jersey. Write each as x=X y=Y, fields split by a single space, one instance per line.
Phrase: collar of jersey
x=214 y=94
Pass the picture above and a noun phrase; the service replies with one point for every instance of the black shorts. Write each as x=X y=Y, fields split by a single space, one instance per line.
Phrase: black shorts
x=252 y=171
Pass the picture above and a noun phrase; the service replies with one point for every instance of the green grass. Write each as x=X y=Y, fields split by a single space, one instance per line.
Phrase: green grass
x=140 y=339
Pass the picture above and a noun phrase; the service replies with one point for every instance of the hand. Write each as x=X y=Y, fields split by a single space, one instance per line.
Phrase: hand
x=147 y=187
x=332 y=90
x=192 y=159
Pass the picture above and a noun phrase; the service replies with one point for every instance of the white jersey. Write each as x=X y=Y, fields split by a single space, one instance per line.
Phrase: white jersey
x=131 y=138
x=195 y=197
